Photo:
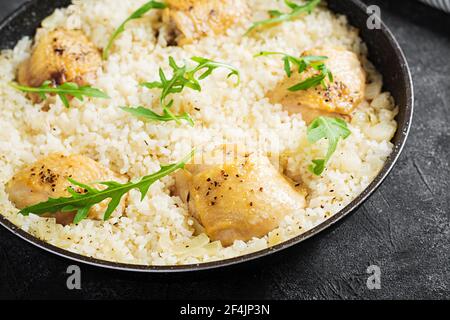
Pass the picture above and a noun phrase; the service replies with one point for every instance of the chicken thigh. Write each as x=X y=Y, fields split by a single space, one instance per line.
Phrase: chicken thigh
x=338 y=99
x=240 y=200
x=48 y=178
x=193 y=19
x=61 y=56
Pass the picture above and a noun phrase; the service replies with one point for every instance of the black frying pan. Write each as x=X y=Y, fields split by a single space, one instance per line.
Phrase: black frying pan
x=385 y=53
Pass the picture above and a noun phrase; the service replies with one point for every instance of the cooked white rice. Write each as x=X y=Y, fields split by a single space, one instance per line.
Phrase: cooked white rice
x=157 y=230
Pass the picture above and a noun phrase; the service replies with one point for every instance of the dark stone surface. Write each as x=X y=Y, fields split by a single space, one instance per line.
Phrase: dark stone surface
x=404 y=228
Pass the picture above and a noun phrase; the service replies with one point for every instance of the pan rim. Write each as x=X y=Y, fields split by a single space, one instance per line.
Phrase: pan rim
x=344 y=212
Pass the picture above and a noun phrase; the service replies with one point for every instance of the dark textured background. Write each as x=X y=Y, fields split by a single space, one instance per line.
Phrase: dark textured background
x=404 y=227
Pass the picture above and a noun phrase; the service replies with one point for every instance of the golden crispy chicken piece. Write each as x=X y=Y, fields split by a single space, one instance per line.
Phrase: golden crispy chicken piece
x=193 y=19
x=48 y=178
x=239 y=200
x=61 y=56
x=341 y=96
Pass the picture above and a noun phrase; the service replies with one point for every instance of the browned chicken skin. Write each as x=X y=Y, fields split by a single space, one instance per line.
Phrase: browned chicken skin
x=48 y=178
x=193 y=19
x=60 y=56
x=240 y=200
x=341 y=96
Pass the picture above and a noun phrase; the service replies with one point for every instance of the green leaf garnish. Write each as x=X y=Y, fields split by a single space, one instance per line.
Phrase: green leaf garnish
x=83 y=202
x=321 y=78
x=278 y=16
x=331 y=129
x=135 y=15
x=303 y=63
x=144 y=113
x=64 y=91
x=182 y=77
x=209 y=66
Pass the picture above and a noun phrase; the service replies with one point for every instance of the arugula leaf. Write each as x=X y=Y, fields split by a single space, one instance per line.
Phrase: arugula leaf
x=141 y=112
x=302 y=63
x=183 y=77
x=324 y=73
x=83 y=202
x=170 y=86
x=278 y=16
x=308 y=83
x=64 y=91
x=328 y=128
x=135 y=15
x=210 y=66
